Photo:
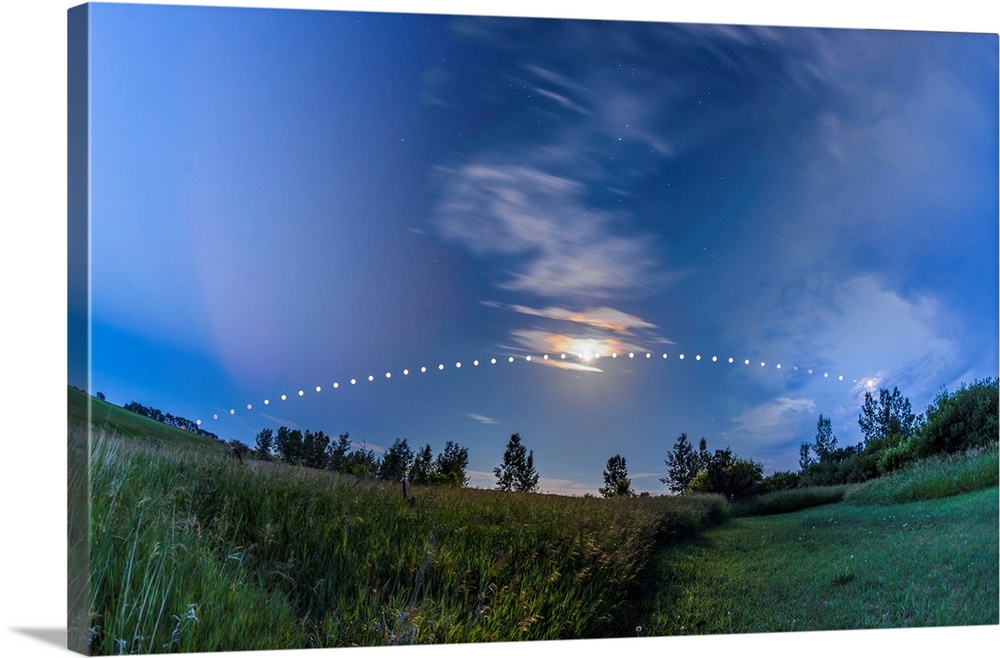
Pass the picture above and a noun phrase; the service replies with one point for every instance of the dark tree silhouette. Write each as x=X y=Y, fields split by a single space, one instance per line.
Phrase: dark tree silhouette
x=264 y=443
x=616 y=480
x=396 y=461
x=517 y=470
x=450 y=465
x=683 y=463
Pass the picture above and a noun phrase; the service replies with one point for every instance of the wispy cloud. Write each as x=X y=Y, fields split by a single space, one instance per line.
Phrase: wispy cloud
x=604 y=317
x=479 y=418
x=556 y=243
x=772 y=422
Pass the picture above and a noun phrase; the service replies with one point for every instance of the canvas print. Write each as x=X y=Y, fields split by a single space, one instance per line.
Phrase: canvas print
x=411 y=328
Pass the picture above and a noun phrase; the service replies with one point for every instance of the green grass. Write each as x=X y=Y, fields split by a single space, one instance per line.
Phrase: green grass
x=193 y=552
x=841 y=566
x=937 y=477
x=792 y=500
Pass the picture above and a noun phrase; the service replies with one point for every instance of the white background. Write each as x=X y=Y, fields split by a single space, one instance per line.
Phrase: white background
x=33 y=319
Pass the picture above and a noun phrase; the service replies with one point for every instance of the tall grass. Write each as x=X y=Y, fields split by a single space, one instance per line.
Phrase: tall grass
x=840 y=566
x=936 y=477
x=791 y=500
x=203 y=554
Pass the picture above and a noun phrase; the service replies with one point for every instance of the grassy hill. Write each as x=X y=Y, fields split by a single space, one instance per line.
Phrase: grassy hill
x=112 y=420
x=191 y=551
x=919 y=548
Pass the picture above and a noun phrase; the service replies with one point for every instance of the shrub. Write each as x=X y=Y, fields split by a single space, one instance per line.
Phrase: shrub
x=790 y=500
x=935 y=477
x=961 y=420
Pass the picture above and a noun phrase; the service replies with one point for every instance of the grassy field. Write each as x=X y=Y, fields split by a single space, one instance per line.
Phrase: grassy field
x=840 y=566
x=191 y=551
x=194 y=552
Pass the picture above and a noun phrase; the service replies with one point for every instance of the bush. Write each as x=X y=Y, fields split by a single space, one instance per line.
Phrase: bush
x=790 y=500
x=939 y=476
x=961 y=420
x=780 y=481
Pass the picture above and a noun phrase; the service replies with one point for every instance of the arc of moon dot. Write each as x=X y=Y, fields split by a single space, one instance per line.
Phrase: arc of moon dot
x=510 y=359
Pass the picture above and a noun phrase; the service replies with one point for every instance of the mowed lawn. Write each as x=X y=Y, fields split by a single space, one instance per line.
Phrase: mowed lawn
x=842 y=566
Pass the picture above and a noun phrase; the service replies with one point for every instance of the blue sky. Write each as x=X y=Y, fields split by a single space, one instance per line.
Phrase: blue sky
x=282 y=200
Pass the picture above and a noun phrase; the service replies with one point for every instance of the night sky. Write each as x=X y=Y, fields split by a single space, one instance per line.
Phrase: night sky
x=284 y=200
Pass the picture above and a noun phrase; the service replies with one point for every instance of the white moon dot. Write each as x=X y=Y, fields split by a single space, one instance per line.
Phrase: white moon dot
x=232 y=412
x=664 y=355
x=631 y=355
x=648 y=355
x=249 y=407
x=353 y=381
x=562 y=356
x=714 y=359
x=215 y=416
x=371 y=378
x=527 y=358
x=697 y=357
x=198 y=422
x=746 y=362
x=493 y=361
x=826 y=374
x=778 y=366
x=730 y=359
x=476 y=362
x=680 y=356
x=301 y=392
x=841 y=378
x=423 y=368
x=458 y=364
x=510 y=359
x=266 y=401
x=406 y=372
x=284 y=397
x=318 y=389
x=440 y=366
x=545 y=357
x=388 y=375
x=336 y=384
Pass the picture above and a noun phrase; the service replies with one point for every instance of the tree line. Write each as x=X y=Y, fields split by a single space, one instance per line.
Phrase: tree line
x=153 y=413
x=314 y=449
x=893 y=437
